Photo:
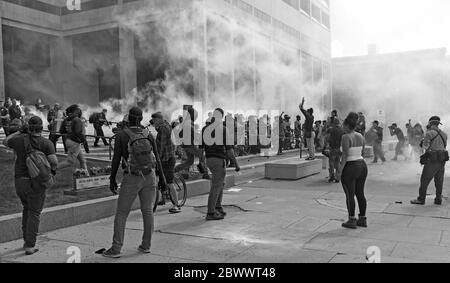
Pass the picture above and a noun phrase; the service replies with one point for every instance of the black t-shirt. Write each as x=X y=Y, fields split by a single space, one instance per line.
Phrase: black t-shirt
x=216 y=150
x=18 y=144
x=399 y=133
x=73 y=129
x=14 y=112
x=3 y=112
x=335 y=138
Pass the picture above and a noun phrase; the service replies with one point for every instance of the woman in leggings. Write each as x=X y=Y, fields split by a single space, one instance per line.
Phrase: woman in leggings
x=353 y=172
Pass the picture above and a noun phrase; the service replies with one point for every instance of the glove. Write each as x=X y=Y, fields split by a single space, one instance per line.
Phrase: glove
x=53 y=172
x=86 y=147
x=238 y=168
x=114 y=187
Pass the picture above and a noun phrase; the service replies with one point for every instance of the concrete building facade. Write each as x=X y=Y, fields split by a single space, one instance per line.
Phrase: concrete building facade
x=88 y=56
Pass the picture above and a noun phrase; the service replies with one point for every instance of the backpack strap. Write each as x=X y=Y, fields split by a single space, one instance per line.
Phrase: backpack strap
x=433 y=139
x=27 y=143
x=443 y=140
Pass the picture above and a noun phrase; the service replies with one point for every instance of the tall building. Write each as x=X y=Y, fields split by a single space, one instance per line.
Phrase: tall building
x=107 y=48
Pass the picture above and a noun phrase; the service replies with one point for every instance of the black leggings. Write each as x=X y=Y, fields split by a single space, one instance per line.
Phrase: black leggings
x=353 y=180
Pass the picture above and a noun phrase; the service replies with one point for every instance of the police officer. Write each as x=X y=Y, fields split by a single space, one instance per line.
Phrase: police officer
x=435 y=144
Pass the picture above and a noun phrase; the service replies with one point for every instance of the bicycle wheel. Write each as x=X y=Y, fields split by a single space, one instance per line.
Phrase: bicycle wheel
x=158 y=198
x=181 y=189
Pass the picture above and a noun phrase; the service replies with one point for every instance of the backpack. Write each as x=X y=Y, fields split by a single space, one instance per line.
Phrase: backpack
x=92 y=118
x=37 y=163
x=140 y=150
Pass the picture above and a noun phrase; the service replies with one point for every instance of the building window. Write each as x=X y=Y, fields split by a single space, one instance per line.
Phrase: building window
x=305 y=5
x=292 y=3
x=325 y=19
x=316 y=13
x=307 y=67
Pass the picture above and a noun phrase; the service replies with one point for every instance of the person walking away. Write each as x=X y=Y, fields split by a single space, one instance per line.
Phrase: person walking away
x=309 y=132
x=298 y=131
x=55 y=118
x=136 y=145
x=72 y=128
x=99 y=120
x=334 y=137
x=399 y=149
x=32 y=191
x=216 y=153
x=353 y=172
x=377 y=133
x=434 y=161
x=361 y=125
x=166 y=152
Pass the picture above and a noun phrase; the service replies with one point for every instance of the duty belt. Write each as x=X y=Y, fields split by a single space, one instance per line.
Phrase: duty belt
x=142 y=172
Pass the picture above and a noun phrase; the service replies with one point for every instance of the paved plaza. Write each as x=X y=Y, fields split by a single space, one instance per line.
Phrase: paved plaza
x=274 y=221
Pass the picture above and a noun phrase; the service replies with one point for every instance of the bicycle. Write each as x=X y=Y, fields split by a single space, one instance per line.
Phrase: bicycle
x=163 y=194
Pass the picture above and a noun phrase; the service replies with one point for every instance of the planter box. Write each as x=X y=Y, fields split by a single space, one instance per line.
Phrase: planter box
x=293 y=169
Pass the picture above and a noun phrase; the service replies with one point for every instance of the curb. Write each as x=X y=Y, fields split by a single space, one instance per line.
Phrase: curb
x=64 y=216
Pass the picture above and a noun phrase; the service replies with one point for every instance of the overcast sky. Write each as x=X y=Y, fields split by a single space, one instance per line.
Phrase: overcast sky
x=395 y=25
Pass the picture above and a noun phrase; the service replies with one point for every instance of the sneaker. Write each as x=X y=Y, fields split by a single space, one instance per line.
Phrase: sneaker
x=438 y=201
x=418 y=202
x=112 y=254
x=214 y=216
x=31 y=251
x=144 y=251
x=221 y=211
x=175 y=210
x=362 y=222
x=331 y=180
x=350 y=224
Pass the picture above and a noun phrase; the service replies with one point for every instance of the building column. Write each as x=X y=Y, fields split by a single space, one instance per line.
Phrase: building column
x=2 y=73
x=128 y=76
x=61 y=52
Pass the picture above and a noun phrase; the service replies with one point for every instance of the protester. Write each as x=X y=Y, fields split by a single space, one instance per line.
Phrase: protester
x=334 y=138
x=361 y=124
x=309 y=133
x=399 y=149
x=287 y=133
x=31 y=191
x=136 y=145
x=434 y=160
x=166 y=151
x=14 y=111
x=298 y=131
x=191 y=149
x=4 y=118
x=353 y=172
x=55 y=118
x=73 y=129
x=99 y=120
x=376 y=132
x=216 y=150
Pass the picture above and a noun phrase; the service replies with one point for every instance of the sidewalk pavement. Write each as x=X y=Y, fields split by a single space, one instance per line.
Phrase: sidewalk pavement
x=275 y=221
